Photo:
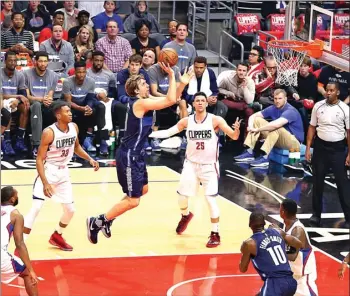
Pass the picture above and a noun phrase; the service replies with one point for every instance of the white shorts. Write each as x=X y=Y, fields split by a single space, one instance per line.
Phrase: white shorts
x=59 y=179
x=11 y=267
x=306 y=285
x=195 y=173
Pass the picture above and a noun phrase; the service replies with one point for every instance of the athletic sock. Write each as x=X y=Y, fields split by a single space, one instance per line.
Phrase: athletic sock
x=215 y=227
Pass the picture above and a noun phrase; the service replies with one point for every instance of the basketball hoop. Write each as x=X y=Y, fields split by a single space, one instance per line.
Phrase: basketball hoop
x=289 y=55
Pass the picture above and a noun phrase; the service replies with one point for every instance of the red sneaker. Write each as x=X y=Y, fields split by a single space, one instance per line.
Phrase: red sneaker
x=57 y=240
x=181 y=227
x=214 y=240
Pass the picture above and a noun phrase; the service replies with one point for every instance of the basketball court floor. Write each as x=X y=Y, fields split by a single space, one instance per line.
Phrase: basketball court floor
x=145 y=256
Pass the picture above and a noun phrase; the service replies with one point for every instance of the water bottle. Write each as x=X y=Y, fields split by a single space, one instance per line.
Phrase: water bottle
x=112 y=140
x=291 y=156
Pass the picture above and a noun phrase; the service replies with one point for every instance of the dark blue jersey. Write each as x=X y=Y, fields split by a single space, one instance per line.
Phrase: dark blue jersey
x=137 y=129
x=271 y=258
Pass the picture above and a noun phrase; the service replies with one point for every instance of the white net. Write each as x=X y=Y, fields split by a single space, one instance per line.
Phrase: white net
x=288 y=62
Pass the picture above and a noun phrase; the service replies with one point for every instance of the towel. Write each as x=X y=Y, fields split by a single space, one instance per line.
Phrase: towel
x=205 y=85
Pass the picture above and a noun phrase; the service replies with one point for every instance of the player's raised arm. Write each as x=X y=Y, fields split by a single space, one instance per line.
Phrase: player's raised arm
x=222 y=124
x=46 y=139
x=163 y=134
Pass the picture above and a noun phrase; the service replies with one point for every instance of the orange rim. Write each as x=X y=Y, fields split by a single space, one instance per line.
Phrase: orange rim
x=313 y=49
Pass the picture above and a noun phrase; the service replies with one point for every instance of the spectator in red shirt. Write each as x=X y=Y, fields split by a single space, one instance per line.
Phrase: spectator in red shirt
x=58 y=19
x=256 y=62
x=6 y=9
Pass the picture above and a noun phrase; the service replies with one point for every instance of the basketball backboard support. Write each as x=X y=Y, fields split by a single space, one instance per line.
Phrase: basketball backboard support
x=316 y=22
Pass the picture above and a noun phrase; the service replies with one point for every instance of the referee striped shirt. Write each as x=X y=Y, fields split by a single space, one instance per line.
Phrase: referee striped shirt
x=331 y=121
x=11 y=38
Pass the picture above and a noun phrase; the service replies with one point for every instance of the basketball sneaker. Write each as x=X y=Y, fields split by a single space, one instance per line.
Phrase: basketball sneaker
x=57 y=240
x=92 y=229
x=181 y=227
x=106 y=230
x=214 y=240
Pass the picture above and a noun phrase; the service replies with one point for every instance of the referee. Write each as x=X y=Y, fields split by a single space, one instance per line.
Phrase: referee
x=330 y=123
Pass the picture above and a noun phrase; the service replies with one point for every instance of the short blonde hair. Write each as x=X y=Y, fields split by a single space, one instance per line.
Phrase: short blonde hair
x=280 y=91
x=132 y=84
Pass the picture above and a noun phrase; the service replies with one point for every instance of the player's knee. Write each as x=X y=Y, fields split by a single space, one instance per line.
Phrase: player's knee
x=145 y=190
x=69 y=209
x=213 y=206
x=133 y=202
x=35 y=106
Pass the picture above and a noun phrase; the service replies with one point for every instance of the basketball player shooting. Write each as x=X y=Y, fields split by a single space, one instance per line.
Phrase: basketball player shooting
x=201 y=164
x=12 y=224
x=59 y=142
x=131 y=166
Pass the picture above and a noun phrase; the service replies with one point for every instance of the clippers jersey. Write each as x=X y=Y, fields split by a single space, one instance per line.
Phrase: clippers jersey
x=271 y=258
x=202 y=141
x=6 y=226
x=137 y=129
x=305 y=263
x=61 y=149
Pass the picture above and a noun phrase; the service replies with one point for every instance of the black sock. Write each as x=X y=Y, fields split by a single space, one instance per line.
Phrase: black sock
x=7 y=135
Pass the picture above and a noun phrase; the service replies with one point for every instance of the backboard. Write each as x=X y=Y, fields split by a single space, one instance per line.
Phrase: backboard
x=313 y=22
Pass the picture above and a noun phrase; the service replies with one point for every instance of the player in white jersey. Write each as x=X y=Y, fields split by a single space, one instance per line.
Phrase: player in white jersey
x=59 y=142
x=201 y=164
x=12 y=225
x=302 y=261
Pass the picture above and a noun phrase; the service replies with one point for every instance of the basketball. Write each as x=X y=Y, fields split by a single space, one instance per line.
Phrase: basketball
x=168 y=56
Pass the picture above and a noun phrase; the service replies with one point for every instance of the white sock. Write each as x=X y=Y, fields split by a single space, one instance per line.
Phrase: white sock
x=215 y=227
x=185 y=212
x=59 y=229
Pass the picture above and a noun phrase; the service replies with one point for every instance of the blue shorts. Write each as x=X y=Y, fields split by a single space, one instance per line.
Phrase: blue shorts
x=132 y=172
x=283 y=286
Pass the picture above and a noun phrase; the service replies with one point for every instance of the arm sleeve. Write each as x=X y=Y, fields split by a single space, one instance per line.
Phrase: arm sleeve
x=66 y=89
x=267 y=112
x=122 y=96
x=249 y=91
x=53 y=80
x=3 y=43
x=127 y=51
x=313 y=120
x=71 y=57
x=21 y=81
x=152 y=76
x=289 y=115
x=213 y=85
x=97 y=22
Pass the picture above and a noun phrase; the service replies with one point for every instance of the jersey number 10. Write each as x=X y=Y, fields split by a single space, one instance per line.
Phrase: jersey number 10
x=277 y=255
x=200 y=145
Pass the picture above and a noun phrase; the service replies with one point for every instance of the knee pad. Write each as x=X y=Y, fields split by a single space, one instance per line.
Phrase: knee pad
x=213 y=206
x=183 y=201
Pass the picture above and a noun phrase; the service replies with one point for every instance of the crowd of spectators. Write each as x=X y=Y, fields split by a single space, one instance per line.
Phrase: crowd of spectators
x=101 y=44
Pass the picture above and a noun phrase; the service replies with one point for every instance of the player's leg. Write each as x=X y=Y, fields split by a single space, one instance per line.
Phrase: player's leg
x=37 y=204
x=131 y=171
x=187 y=187
x=209 y=176
x=64 y=196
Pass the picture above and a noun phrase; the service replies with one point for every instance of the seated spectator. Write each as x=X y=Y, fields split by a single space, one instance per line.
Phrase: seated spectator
x=57 y=46
x=204 y=81
x=238 y=90
x=94 y=7
x=143 y=42
x=101 y=20
x=265 y=82
x=256 y=62
x=285 y=131
x=79 y=91
x=186 y=51
x=36 y=17
x=6 y=9
x=6 y=25
x=332 y=74
x=83 y=43
x=13 y=87
x=46 y=33
x=141 y=12
x=172 y=33
x=134 y=68
x=41 y=84
x=167 y=117
x=70 y=15
x=148 y=60
x=17 y=39
x=306 y=89
x=83 y=20
x=117 y=49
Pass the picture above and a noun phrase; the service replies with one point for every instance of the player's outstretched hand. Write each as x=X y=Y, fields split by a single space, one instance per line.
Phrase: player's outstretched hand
x=186 y=77
x=167 y=69
x=237 y=124
x=48 y=191
x=94 y=164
